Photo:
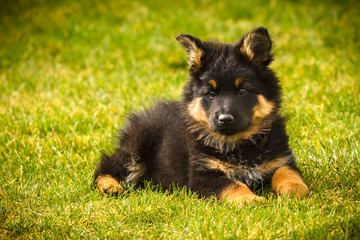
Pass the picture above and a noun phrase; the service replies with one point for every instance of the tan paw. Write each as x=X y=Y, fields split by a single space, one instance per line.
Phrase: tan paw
x=107 y=184
x=297 y=189
x=288 y=181
x=239 y=193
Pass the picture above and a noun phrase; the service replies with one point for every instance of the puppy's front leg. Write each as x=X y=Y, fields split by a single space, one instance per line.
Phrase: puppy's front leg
x=288 y=181
x=238 y=192
x=210 y=183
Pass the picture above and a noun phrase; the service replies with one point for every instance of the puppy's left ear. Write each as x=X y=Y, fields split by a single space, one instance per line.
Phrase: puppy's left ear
x=256 y=46
x=194 y=49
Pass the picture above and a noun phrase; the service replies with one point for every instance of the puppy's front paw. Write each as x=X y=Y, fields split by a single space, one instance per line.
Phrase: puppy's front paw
x=287 y=181
x=107 y=185
x=239 y=193
x=297 y=189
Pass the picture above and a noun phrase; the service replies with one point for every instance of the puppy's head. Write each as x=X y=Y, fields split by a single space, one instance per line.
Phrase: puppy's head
x=231 y=90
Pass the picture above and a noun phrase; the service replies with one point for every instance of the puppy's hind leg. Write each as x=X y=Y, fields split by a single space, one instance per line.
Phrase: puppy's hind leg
x=108 y=185
x=125 y=167
x=108 y=175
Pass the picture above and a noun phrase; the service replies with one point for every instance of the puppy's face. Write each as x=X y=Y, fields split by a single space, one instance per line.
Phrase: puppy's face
x=231 y=107
x=231 y=90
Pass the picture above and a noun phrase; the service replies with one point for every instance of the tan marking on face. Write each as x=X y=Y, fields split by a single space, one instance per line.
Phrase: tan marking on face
x=197 y=111
x=238 y=82
x=212 y=83
x=262 y=109
x=107 y=184
x=239 y=193
x=287 y=181
x=222 y=142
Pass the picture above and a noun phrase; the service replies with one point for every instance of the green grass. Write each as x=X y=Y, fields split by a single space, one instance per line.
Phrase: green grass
x=70 y=71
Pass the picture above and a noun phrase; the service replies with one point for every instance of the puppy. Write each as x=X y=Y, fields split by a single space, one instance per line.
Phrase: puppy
x=225 y=138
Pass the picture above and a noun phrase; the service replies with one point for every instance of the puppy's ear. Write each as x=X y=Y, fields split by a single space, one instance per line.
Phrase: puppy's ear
x=256 y=46
x=194 y=49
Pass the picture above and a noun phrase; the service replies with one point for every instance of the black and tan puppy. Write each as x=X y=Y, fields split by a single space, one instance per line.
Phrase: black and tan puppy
x=224 y=139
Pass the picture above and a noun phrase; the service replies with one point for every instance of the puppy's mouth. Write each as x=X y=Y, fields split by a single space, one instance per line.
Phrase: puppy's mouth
x=228 y=131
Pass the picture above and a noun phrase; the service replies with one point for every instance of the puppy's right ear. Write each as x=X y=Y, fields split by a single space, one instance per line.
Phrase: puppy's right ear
x=194 y=49
x=256 y=46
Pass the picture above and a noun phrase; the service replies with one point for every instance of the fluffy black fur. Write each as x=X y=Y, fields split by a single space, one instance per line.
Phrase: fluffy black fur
x=226 y=129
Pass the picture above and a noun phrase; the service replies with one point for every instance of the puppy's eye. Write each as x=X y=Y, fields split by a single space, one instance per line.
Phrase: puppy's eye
x=211 y=94
x=242 y=91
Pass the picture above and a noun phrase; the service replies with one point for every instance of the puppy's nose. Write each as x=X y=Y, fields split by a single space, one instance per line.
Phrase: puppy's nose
x=225 y=119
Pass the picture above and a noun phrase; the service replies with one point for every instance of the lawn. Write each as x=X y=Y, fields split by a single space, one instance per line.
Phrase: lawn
x=70 y=72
